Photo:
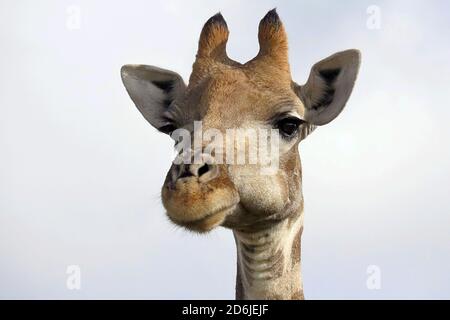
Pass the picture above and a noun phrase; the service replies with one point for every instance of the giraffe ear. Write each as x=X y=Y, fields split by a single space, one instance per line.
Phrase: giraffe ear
x=153 y=90
x=329 y=86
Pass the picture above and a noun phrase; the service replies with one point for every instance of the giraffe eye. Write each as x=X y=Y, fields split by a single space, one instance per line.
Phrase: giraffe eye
x=169 y=125
x=167 y=129
x=288 y=126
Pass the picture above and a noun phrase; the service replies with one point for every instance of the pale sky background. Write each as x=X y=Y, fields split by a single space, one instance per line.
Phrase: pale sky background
x=81 y=170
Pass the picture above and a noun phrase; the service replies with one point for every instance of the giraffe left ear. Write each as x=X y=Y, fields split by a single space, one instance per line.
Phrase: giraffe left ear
x=329 y=86
x=153 y=90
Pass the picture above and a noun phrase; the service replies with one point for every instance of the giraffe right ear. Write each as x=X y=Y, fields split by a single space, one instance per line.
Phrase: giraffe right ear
x=153 y=90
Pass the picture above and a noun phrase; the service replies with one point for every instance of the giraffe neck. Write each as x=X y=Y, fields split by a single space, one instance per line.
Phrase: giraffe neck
x=268 y=261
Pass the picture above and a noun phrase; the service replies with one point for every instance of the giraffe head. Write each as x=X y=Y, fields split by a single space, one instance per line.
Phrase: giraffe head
x=223 y=94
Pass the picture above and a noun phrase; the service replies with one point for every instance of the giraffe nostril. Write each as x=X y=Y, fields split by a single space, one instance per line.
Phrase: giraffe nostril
x=185 y=173
x=203 y=169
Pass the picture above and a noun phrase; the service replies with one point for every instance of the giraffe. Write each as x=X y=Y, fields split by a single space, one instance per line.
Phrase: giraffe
x=264 y=212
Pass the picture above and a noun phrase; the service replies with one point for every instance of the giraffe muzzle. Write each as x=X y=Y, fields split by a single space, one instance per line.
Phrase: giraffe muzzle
x=199 y=197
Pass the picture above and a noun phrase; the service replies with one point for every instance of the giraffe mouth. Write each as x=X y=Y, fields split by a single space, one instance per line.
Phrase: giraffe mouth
x=206 y=223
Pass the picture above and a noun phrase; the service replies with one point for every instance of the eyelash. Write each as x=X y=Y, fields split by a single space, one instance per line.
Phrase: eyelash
x=288 y=120
x=169 y=127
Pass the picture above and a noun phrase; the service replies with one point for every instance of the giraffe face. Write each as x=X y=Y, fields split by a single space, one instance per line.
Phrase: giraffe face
x=223 y=97
x=229 y=99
